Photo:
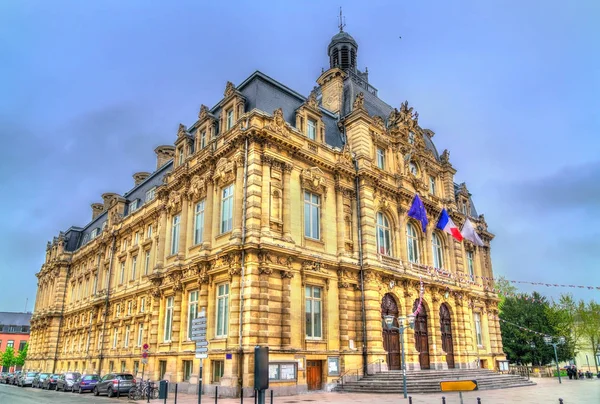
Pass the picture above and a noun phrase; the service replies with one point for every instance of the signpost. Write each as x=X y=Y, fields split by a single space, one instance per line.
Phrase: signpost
x=199 y=335
x=459 y=385
x=144 y=358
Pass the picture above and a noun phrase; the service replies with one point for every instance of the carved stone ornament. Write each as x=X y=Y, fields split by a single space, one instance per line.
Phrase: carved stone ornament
x=313 y=179
x=404 y=117
x=115 y=217
x=229 y=89
x=312 y=100
x=182 y=131
x=203 y=112
x=287 y=274
x=224 y=171
x=314 y=266
x=202 y=271
x=445 y=157
x=278 y=124
x=265 y=270
x=174 y=201
x=346 y=156
x=359 y=102
x=378 y=122
x=197 y=188
x=175 y=276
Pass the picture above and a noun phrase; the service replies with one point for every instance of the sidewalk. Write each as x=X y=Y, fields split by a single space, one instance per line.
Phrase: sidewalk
x=546 y=391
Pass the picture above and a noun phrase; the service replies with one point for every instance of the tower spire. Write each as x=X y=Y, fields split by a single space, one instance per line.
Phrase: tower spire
x=342 y=21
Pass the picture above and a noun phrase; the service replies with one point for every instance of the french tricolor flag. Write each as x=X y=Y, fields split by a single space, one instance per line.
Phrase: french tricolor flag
x=446 y=224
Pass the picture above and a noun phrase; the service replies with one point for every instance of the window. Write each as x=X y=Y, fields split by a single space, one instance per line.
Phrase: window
x=199 y=222
x=140 y=337
x=413 y=169
x=0 y=344
x=95 y=287
x=229 y=118
x=222 y=310
x=464 y=208
x=122 y=273
x=203 y=140
x=150 y=194
x=313 y=312
x=217 y=370
x=168 y=319
x=122 y=366
x=149 y=232
x=470 y=266
x=118 y=311
x=111 y=367
x=129 y=307
x=175 y=235
x=133 y=205
x=192 y=310
x=180 y=153
x=383 y=235
x=187 y=370
x=126 y=343
x=100 y=337
x=438 y=252
x=115 y=337
x=478 y=329
x=10 y=343
x=412 y=241
x=133 y=267
x=94 y=233
x=191 y=149
x=282 y=371
x=411 y=138
x=147 y=262
x=142 y=304
x=136 y=368
x=311 y=129
x=432 y=185
x=380 y=159
x=227 y=209
x=312 y=215
x=136 y=238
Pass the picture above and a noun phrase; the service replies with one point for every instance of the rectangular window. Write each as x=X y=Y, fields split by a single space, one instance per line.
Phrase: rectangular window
x=175 y=235
x=122 y=273
x=147 y=262
x=312 y=215
x=133 y=267
x=222 y=310
x=470 y=265
x=168 y=319
x=142 y=304
x=136 y=368
x=122 y=366
x=187 y=370
x=10 y=343
x=227 y=209
x=192 y=310
x=217 y=370
x=380 y=159
x=478 y=329
x=136 y=238
x=93 y=234
x=150 y=194
x=432 y=185
x=111 y=368
x=181 y=156
x=282 y=371
x=133 y=205
x=140 y=338
x=311 y=129
x=229 y=119
x=149 y=232
x=115 y=337
x=124 y=245
x=100 y=337
x=118 y=311
x=126 y=342
x=199 y=222
x=313 y=312
x=129 y=307
x=95 y=287
x=203 y=140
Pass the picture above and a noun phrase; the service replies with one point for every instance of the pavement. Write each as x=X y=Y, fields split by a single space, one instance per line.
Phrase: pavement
x=546 y=391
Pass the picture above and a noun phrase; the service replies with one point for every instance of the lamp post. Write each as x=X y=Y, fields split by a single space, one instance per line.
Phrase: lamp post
x=389 y=323
x=548 y=341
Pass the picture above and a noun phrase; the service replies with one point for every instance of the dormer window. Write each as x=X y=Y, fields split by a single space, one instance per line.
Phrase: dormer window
x=464 y=208
x=181 y=156
x=432 y=185
x=311 y=129
x=191 y=149
x=411 y=137
x=150 y=194
x=94 y=233
x=229 y=118
x=203 y=139
x=133 y=206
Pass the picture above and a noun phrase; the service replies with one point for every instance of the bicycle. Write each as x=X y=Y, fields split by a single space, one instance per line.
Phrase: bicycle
x=143 y=389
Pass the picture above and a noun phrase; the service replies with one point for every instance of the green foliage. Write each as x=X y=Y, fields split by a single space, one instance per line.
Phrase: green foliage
x=505 y=289
x=22 y=356
x=588 y=325
x=8 y=357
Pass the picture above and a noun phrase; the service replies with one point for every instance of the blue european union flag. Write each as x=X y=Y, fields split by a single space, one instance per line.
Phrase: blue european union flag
x=417 y=211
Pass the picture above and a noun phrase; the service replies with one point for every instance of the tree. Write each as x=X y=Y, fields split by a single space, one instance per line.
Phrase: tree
x=588 y=323
x=22 y=356
x=563 y=316
x=8 y=357
x=505 y=289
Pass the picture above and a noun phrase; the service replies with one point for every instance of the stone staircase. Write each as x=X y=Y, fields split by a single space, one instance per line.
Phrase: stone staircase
x=428 y=381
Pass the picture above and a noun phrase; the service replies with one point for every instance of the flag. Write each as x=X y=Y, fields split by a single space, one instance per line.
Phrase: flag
x=417 y=211
x=446 y=224
x=468 y=232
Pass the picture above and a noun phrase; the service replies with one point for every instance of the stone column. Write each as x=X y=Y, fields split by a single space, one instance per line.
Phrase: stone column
x=436 y=351
x=183 y=226
x=162 y=237
x=286 y=309
x=263 y=303
x=287 y=221
x=373 y=314
x=343 y=314
x=177 y=321
x=339 y=207
x=265 y=199
x=209 y=213
x=238 y=198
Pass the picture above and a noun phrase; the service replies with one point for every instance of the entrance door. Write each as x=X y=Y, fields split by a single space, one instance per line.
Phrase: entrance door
x=391 y=338
x=162 y=369
x=314 y=374
x=446 y=328
x=421 y=336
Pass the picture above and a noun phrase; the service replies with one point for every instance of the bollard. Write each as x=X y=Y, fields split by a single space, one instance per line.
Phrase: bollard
x=271 y=396
x=165 y=402
x=443 y=400
x=560 y=400
x=175 y=393
x=242 y=396
x=409 y=399
x=216 y=394
x=478 y=400
x=255 y=396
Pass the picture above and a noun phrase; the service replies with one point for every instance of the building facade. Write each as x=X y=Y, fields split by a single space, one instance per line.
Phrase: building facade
x=284 y=217
x=14 y=331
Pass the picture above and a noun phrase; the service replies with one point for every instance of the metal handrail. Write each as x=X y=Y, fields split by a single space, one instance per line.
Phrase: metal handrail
x=359 y=372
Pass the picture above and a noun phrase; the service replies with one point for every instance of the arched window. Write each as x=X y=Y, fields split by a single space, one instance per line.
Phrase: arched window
x=412 y=240
x=383 y=235
x=414 y=170
x=438 y=252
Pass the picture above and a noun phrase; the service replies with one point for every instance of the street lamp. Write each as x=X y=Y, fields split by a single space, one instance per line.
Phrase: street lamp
x=561 y=341
x=389 y=323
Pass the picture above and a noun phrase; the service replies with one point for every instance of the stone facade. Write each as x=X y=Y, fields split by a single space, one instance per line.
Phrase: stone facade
x=261 y=219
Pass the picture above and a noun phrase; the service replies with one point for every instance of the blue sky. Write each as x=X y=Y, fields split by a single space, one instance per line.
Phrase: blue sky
x=89 y=89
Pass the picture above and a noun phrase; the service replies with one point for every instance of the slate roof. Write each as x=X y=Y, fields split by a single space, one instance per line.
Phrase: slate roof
x=18 y=319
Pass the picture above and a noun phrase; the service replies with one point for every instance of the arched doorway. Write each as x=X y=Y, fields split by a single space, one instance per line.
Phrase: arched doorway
x=421 y=335
x=446 y=328
x=391 y=338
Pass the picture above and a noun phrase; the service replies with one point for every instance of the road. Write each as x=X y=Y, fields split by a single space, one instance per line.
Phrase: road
x=27 y=395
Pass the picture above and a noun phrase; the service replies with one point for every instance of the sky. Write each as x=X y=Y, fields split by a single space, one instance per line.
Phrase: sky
x=88 y=89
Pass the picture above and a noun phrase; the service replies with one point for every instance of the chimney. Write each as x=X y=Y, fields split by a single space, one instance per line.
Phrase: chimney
x=97 y=209
x=163 y=155
x=139 y=177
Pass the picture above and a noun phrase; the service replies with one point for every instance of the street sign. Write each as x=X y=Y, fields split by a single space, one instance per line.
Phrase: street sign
x=201 y=356
x=199 y=326
x=198 y=336
x=201 y=343
x=200 y=349
x=145 y=346
x=144 y=361
x=199 y=320
x=458 y=385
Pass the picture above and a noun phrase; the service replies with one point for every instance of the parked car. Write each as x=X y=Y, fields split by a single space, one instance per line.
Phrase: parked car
x=50 y=382
x=85 y=383
x=66 y=380
x=112 y=383
x=26 y=379
x=39 y=380
x=12 y=379
x=3 y=377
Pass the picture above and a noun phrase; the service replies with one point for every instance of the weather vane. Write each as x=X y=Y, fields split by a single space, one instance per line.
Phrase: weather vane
x=342 y=21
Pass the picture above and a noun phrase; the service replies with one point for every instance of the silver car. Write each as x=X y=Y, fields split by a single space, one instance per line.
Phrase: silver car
x=26 y=379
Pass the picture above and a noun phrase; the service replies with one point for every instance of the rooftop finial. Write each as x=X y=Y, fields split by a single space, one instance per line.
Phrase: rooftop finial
x=342 y=21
